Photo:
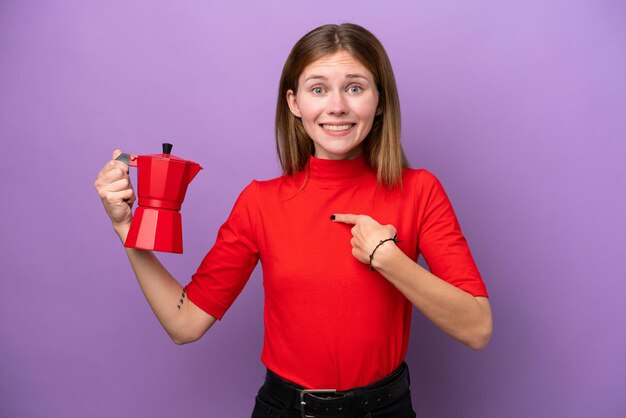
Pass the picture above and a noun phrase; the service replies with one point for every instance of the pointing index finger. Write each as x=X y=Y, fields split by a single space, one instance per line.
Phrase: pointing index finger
x=346 y=218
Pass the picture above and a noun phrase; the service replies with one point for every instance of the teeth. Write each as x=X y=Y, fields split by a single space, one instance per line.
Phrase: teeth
x=337 y=127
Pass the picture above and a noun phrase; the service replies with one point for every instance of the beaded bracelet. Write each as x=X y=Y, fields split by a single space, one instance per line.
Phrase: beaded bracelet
x=182 y=299
x=382 y=241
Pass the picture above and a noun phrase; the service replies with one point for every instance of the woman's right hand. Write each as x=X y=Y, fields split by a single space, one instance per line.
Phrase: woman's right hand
x=116 y=192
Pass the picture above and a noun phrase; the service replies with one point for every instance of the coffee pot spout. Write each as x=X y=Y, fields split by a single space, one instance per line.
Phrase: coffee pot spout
x=194 y=168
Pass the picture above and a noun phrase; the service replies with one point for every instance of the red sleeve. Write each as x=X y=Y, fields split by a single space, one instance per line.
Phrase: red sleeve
x=226 y=268
x=441 y=241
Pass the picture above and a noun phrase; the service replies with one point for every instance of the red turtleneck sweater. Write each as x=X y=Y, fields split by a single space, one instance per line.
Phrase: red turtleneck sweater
x=329 y=321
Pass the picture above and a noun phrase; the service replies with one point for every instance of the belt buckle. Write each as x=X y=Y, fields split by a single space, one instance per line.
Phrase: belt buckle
x=303 y=392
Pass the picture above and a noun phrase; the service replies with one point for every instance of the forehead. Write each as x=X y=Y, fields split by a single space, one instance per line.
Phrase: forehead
x=340 y=63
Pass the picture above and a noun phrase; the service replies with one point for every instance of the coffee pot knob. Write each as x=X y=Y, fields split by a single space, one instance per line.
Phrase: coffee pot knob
x=167 y=148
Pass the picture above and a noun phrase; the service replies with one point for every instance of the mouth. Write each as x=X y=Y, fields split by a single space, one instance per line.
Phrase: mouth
x=337 y=127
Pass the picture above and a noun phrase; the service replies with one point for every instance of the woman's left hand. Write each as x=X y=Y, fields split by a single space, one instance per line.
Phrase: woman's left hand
x=366 y=235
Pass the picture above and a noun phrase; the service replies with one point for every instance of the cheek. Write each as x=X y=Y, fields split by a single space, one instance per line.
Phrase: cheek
x=367 y=113
x=308 y=117
x=309 y=112
x=366 y=108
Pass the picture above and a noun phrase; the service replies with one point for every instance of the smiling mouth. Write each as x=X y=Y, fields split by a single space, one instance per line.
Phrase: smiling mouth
x=337 y=128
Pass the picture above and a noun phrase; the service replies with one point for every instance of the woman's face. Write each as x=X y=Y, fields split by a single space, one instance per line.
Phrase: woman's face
x=337 y=100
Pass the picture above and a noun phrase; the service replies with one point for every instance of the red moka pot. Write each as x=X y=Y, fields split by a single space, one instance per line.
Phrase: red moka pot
x=162 y=181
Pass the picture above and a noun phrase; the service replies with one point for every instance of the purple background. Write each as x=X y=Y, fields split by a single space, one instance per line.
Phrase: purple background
x=518 y=107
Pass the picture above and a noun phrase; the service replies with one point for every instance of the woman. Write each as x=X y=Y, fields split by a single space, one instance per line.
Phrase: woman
x=339 y=291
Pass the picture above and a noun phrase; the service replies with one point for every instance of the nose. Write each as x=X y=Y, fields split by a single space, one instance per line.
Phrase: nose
x=337 y=104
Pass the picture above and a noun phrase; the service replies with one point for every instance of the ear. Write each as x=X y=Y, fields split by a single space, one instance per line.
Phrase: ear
x=293 y=105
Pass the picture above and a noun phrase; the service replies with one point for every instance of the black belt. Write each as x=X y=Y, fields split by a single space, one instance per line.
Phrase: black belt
x=332 y=403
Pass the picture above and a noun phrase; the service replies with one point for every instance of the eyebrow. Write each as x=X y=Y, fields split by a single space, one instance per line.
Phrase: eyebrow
x=321 y=77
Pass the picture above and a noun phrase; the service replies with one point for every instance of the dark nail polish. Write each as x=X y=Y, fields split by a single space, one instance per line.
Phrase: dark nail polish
x=332 y=217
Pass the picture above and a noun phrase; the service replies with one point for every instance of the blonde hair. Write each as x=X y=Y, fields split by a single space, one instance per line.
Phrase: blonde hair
x=382 y=148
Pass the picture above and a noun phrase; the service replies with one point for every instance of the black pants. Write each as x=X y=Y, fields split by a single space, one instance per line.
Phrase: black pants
x=267 y=406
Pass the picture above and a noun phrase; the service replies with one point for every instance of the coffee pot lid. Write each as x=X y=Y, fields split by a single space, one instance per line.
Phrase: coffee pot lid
x=131 y=159
x=167 y=149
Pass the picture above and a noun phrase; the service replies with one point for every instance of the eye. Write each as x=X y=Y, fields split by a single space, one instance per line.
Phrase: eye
x=355 y=89
x=318 y=90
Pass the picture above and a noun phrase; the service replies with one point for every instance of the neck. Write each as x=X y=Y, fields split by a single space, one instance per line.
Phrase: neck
x=336 y=172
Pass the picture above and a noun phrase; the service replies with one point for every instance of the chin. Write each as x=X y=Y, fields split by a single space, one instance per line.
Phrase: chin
x=339 y=152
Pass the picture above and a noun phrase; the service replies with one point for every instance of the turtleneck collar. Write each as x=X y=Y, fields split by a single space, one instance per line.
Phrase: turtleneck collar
x=337 y=172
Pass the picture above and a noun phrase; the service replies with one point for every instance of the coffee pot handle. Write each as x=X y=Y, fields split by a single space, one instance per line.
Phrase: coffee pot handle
x=128 y=159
